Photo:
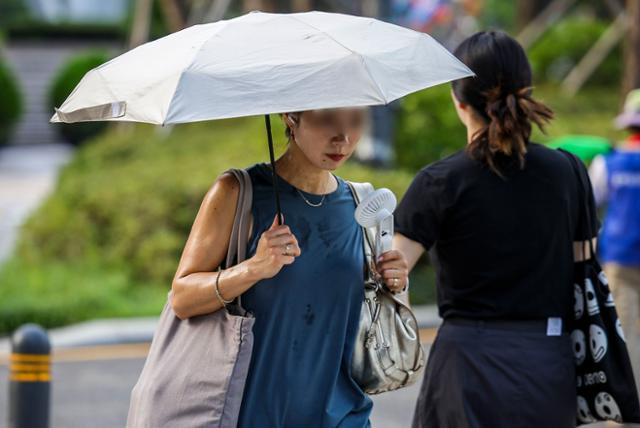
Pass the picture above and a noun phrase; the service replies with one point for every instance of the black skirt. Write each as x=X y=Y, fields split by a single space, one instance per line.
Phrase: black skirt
x=498 y=374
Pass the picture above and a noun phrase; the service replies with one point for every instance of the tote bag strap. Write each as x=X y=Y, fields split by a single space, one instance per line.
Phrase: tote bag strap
x=237 y=251
x=583 y=198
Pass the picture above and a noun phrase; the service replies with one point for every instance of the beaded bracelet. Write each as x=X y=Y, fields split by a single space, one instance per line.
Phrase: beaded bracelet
x=218 y=295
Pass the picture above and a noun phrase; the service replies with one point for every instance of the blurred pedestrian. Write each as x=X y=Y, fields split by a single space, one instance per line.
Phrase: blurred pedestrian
x=616 y=184
x=502 y=217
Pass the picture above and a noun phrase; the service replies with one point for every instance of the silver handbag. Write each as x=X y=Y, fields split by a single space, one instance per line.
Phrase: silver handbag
x=388 y=354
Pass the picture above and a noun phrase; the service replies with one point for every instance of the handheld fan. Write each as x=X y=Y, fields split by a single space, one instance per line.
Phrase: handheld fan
x=376 y=210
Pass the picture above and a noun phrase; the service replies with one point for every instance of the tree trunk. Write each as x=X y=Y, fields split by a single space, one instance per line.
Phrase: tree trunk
x=631 y=78
x=261 y=5
x=527 y=10
x=300 y=5
x=553 y=12
x=141 y=23
x=172 y=14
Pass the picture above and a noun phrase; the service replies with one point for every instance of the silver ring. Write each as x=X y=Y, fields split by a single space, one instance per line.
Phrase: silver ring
x=287 y=250
x=395 y=282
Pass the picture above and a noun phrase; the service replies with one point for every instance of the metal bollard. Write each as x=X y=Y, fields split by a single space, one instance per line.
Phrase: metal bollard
x=29 y=386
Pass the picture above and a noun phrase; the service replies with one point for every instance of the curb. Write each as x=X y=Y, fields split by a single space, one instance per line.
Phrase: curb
x=140 y=330
x=97 y=332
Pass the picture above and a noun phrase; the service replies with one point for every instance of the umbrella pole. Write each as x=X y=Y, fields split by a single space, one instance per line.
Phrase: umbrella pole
x=267 y=122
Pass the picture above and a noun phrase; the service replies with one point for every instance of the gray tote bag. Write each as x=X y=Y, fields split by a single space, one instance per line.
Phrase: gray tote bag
x=196 y=368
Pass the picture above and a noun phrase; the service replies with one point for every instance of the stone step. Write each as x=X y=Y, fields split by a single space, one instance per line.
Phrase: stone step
x=35 y=64
x=36 y=133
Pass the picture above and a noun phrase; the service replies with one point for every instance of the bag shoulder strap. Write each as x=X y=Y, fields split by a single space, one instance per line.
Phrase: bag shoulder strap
x=583 y=197
x=359 y=192
x=239 y=233
x=237 y=251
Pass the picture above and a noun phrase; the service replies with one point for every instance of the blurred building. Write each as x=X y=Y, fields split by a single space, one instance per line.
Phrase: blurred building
x=111 y=11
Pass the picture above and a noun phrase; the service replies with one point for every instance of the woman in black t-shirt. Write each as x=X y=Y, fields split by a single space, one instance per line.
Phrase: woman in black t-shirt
x=501 y=218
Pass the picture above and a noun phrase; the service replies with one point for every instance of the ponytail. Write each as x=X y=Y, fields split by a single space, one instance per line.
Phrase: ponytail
x=501 y=94
x=508 y=127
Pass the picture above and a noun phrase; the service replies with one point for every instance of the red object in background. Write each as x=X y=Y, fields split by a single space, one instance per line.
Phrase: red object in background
x=633 y=140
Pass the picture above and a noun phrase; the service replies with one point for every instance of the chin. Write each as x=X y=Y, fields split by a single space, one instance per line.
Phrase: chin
x=331 y=165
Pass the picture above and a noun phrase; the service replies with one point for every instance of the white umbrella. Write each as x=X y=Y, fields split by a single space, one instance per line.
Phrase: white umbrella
x=262 y=63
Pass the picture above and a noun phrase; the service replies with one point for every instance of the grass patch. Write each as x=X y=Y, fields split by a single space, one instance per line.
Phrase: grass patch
x=58 y=293
x=106 y=243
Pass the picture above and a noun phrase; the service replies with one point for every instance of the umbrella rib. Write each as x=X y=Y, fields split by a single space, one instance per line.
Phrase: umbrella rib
x=107 y=86
x=364 y=63
x=179 y=79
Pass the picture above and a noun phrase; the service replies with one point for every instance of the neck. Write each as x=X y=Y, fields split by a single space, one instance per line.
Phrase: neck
x=473 y=127
x=294 y=167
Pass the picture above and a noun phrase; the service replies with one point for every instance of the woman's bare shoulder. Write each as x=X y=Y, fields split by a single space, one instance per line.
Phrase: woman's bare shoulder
x=219 y=204
x=218 y=209
x=222 y=193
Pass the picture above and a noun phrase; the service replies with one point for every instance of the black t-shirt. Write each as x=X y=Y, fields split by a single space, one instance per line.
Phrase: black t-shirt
x=503 y=246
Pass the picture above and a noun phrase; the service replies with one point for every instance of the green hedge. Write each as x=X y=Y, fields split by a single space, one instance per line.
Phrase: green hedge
x=11 y=105
x=63 y=84
x=565 y=43
x=12 y=11
x=110 y=236
x=32 y=29
x=131 y=198
x=427 y=128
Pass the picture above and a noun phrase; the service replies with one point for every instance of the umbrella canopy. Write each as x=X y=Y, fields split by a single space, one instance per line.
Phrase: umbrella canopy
x=262 y=63
x=258 y=64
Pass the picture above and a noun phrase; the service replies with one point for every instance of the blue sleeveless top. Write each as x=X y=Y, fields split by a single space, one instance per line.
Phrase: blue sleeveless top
x=306 y=317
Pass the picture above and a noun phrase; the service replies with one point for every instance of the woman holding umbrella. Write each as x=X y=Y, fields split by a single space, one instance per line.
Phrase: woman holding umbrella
x=303 y=280
x=502 y=216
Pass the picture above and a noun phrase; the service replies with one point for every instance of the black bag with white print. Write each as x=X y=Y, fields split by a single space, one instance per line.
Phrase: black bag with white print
x=606 y=389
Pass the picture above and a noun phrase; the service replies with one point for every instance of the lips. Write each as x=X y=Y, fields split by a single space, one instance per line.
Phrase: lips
x=336 y=158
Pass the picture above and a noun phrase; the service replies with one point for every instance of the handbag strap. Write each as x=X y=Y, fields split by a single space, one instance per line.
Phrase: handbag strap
x=583 y=197
x=359 y=192
x=237 y=250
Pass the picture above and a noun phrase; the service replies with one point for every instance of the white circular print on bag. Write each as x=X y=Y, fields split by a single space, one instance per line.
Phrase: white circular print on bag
x=579 y=346
x=584 y=414
x=590 y=297
x=607 y=408
x=578 y=304
x=597 y=342
x=610 y=302
x=619 y=330
x=603 y=278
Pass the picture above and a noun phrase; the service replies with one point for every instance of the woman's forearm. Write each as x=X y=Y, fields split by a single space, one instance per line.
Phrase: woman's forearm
x=195 y=293
x=410 y=249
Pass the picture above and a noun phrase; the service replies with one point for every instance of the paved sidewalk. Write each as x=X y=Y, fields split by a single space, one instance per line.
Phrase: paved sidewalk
x=28 y=173
x=96 y=363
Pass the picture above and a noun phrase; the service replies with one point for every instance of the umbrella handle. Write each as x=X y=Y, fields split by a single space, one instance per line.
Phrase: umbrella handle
x=267 y=122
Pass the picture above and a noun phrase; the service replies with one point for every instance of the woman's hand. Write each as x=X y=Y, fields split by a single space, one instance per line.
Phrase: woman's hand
x=392 y=267
x=277 y=247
